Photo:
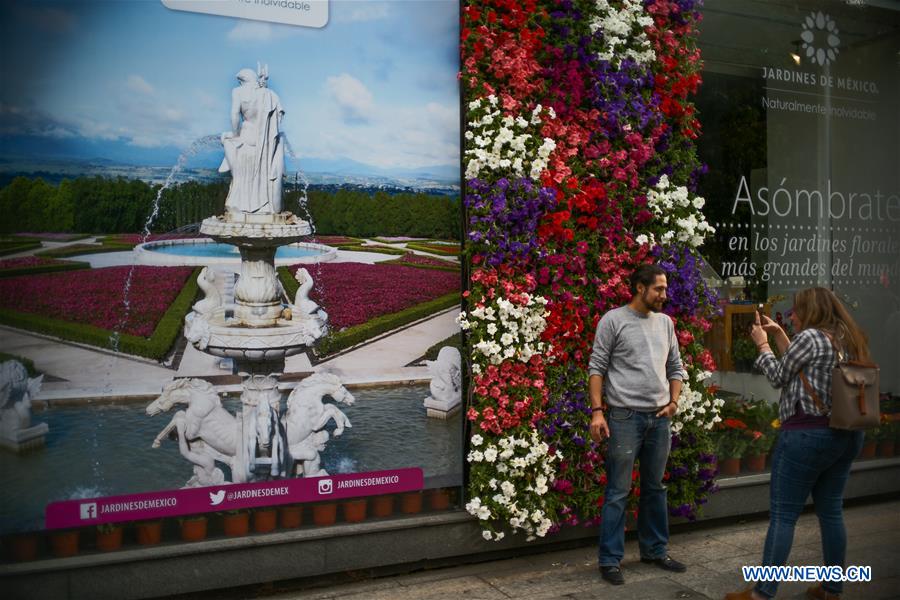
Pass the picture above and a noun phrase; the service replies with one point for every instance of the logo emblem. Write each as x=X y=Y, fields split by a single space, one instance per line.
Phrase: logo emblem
x=325 y=486
x=216 y=499
x=88 y=510
x=820 y=38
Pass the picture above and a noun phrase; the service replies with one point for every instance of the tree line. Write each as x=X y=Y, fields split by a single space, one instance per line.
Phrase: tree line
x=106 y=205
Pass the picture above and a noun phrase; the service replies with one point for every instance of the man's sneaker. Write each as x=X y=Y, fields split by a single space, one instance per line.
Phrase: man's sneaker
x=667 y=563
x=612 y=574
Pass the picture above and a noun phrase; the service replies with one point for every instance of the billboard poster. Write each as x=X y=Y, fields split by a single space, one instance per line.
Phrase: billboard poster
x=230 y=256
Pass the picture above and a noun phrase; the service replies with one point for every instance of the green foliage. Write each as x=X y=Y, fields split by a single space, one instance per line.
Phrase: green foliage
x=155 y=347
x=26 y=362
x=66 y=266
x=454 y=341
x=743 y=348
x=370 y=329
x=377 y=249
x=288 y=281
x=78 y=249
x=356 y=213
x=434 y=248
x=13 y=247
x=98 y=204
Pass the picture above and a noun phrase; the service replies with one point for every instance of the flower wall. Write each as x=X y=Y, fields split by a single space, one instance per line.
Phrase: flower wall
x=580 y=165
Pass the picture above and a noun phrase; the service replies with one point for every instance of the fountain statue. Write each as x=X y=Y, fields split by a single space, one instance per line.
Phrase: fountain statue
x=446 y=383
x=307 y=416
x=258 y=330
x=16 y=391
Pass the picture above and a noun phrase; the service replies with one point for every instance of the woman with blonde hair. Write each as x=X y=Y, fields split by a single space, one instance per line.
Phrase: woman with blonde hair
x=810 y=457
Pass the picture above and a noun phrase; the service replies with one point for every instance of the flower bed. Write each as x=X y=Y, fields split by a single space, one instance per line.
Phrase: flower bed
x=335 y=240
x=353 y=293
x=447 y=249
x=98 y=300
x=417 y=260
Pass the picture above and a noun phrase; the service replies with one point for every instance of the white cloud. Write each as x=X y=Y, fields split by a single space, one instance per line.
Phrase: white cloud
x=138 y=84
x=348 y=12
x=351 y=96
x=257 y=31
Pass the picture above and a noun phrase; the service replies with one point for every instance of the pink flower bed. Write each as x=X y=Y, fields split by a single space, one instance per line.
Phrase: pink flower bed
x=418 y=259
x=29 y=261
x=333 y=240
x=355 y=293
x=95 y=297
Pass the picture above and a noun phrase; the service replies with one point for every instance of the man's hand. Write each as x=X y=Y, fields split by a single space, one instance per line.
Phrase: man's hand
x=668 y=410
x=599 y=428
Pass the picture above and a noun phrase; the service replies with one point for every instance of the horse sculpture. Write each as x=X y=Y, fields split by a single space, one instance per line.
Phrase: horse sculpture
x=206 y=431
x=307 y=416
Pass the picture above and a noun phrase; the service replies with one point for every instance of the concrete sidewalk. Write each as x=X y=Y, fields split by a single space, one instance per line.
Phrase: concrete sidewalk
x=714 y=554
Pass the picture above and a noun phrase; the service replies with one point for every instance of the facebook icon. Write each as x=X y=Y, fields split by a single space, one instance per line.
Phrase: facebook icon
x=89 y=510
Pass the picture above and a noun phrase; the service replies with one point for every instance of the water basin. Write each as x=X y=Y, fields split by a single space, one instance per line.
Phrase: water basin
x=104 y=450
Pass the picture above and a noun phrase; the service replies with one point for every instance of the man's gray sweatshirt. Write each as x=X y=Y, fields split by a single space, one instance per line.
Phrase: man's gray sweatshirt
x=637 y=355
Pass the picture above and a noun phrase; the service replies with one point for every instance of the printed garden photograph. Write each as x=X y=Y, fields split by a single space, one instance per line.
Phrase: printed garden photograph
x=223 y=261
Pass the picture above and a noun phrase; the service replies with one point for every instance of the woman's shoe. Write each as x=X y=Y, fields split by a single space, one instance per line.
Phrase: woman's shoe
x=820 y=593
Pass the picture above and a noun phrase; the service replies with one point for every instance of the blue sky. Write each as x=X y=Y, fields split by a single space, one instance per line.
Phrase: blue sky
x=377 y=84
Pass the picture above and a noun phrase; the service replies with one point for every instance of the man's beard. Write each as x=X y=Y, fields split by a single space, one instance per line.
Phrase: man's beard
x=653 y=307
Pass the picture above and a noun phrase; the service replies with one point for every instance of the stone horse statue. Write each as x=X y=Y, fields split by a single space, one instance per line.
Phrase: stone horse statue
x=307 y=416
x=16 y=392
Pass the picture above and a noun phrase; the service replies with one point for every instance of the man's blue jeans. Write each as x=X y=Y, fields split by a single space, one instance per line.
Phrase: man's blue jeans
x=646 y=437
x=817 y=462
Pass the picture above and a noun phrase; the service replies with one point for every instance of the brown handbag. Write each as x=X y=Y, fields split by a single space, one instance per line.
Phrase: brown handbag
x=854 y=394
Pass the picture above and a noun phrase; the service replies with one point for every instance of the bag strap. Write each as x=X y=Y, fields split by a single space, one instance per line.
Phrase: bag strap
x=812 y=392
x=808 y=387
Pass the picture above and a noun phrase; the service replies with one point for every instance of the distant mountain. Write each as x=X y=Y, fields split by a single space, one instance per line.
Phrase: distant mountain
x=30 y=153
x=348 y=166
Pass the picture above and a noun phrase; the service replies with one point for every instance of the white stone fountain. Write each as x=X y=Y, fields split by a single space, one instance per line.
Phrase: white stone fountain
x=260 y=329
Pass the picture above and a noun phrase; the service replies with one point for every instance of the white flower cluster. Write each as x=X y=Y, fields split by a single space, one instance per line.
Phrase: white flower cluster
x=694 y=408
x=524 y=472
x=678 y=212
x=624 y=34
x=505 y=330
x=506 y=143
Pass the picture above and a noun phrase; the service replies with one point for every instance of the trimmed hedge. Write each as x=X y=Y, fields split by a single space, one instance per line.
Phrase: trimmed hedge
x=421 y=266
x=68 y=266
x=454 y=340
x=155 y=347
x=76 y=249
x=288 y=282
x=352 y=336
x=378 y=249
x=26 y=362
x=14 y=247
x=434 y=249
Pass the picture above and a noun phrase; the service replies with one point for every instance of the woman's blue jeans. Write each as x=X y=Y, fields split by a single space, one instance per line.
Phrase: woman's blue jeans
x=817 y=462
x=646 y=437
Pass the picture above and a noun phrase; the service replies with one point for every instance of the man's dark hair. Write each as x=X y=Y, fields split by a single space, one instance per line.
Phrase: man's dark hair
x=646 y=275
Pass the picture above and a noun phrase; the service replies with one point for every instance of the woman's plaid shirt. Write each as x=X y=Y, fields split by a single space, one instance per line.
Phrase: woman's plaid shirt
x=811 y=352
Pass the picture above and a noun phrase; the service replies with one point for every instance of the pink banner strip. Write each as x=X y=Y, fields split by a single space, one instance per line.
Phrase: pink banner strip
x=173 y=503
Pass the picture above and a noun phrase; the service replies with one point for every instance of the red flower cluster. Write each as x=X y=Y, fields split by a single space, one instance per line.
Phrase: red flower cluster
x=353 y=293
x=96 y=297
x=507 y=395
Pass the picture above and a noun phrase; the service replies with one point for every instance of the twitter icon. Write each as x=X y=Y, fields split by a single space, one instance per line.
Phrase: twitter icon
x=216 y=498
